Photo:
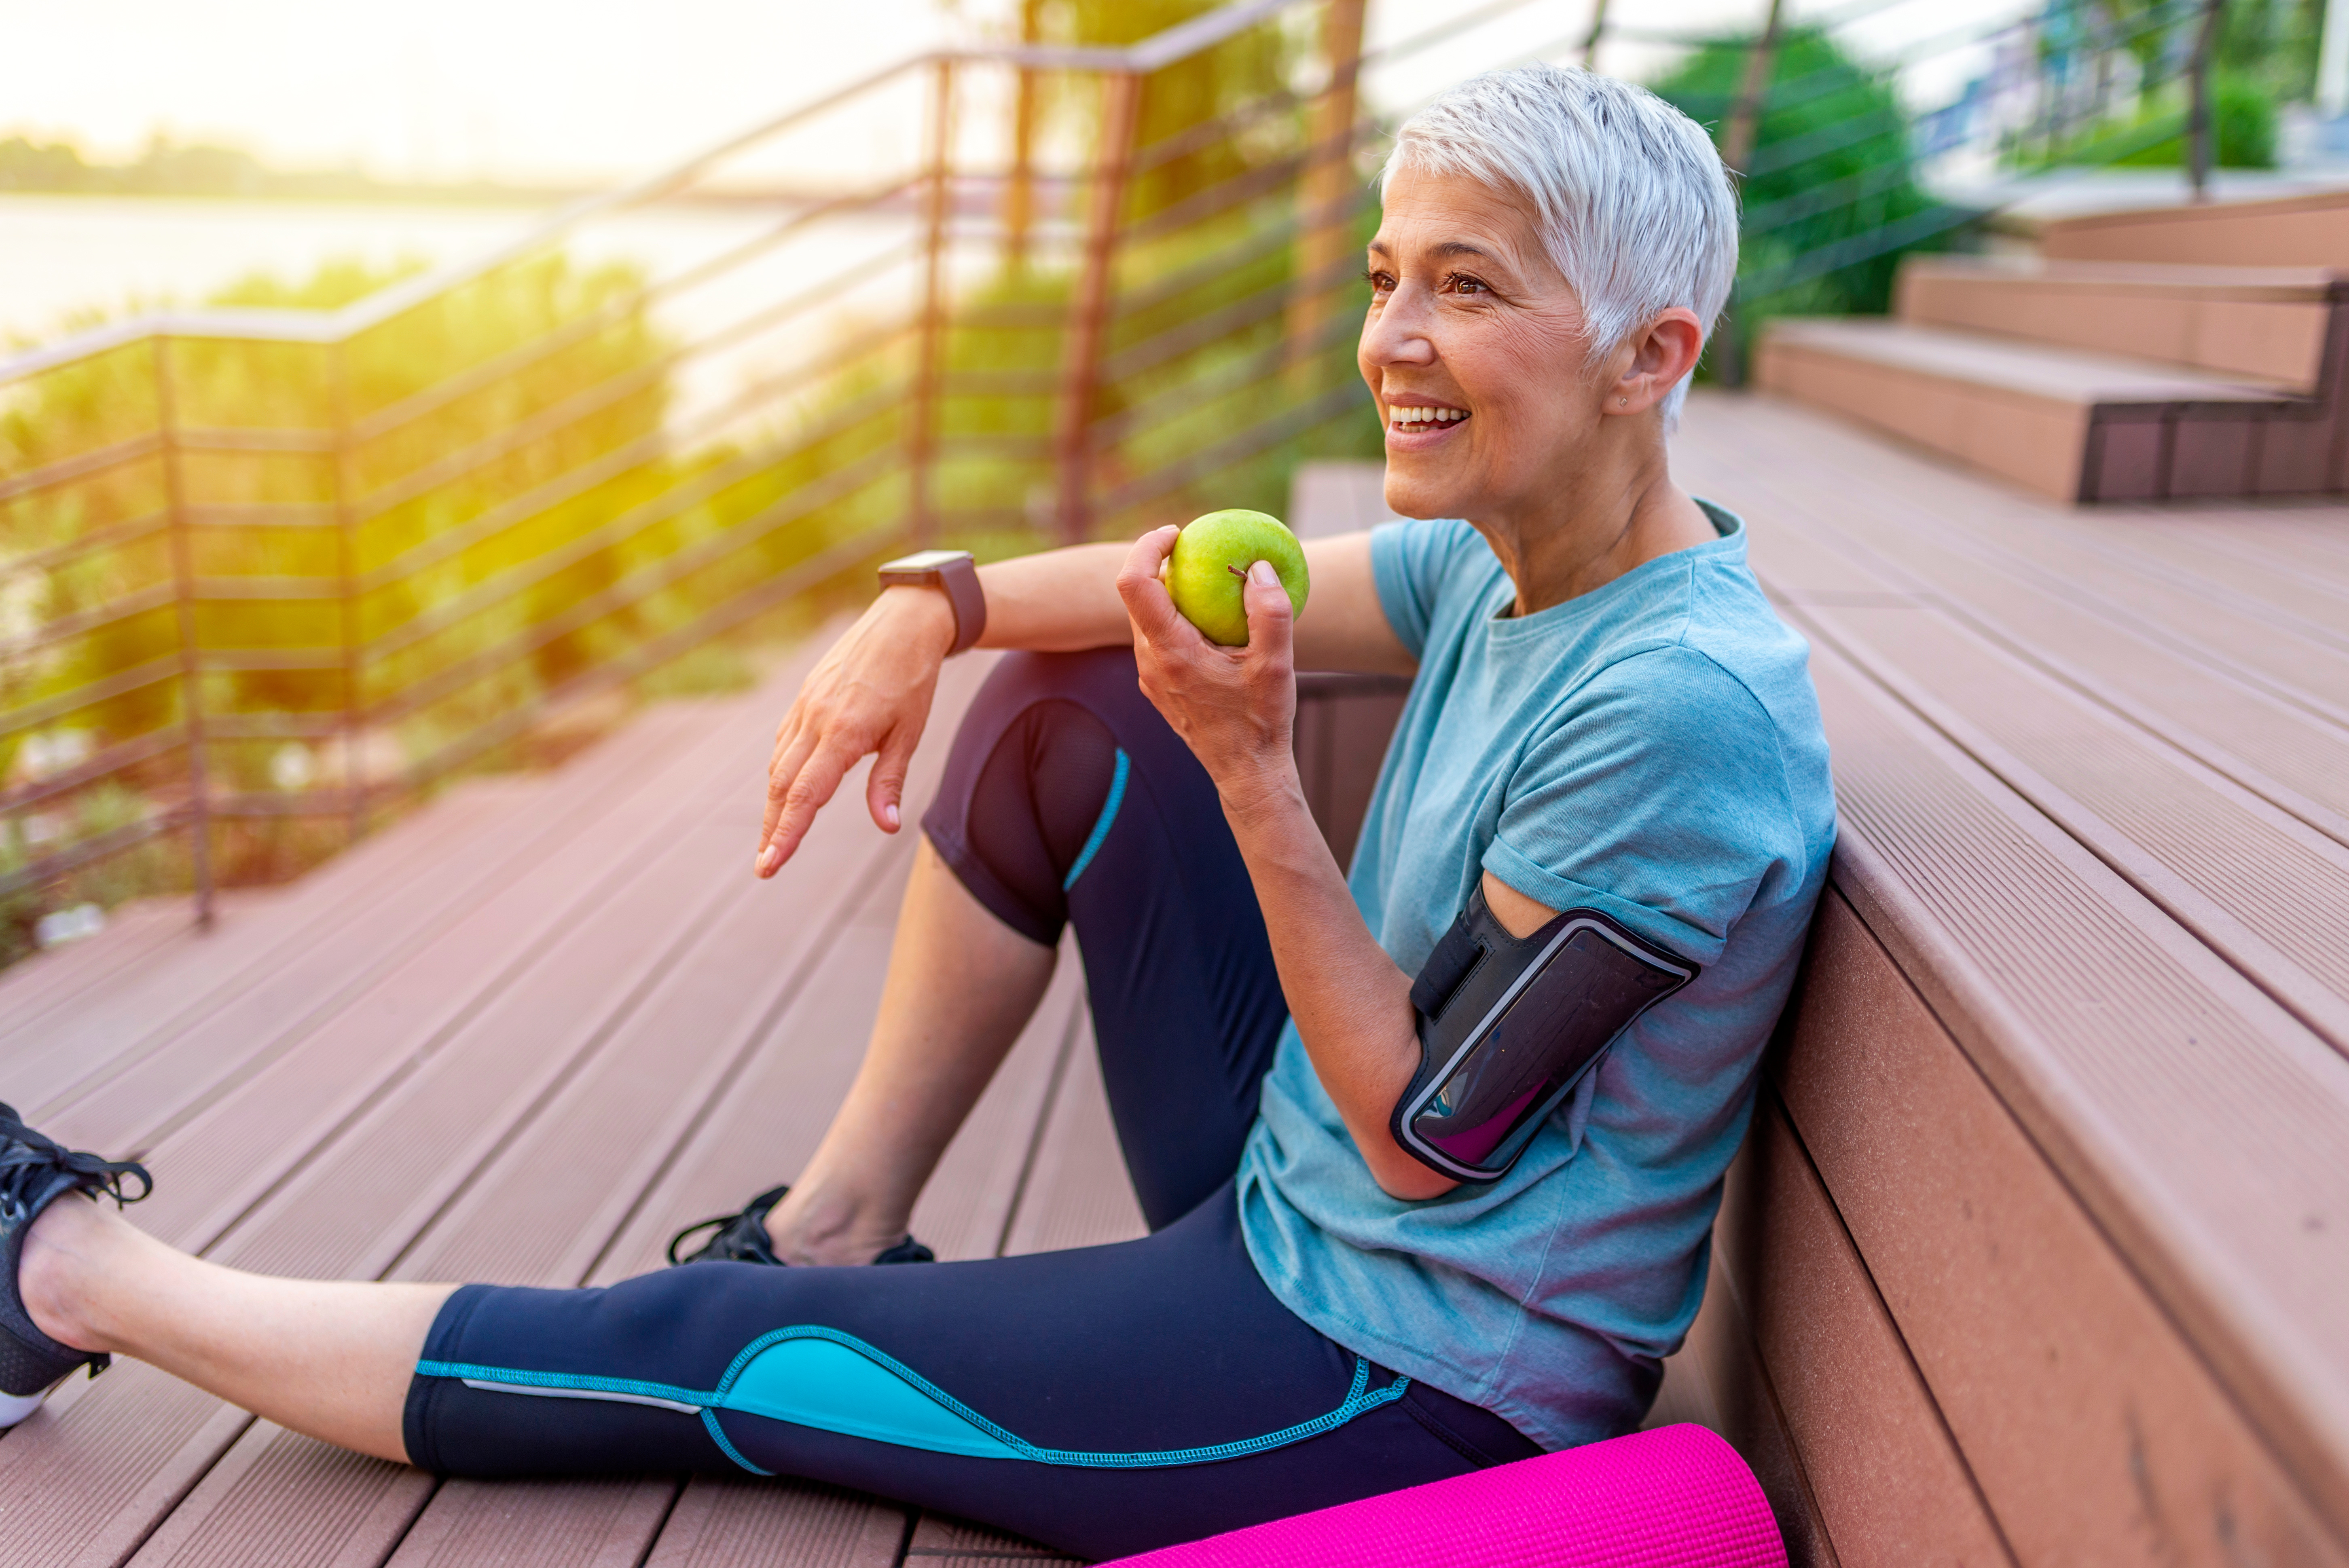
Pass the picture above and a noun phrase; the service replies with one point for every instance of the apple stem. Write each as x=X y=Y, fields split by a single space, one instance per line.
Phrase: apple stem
x=1237 y=573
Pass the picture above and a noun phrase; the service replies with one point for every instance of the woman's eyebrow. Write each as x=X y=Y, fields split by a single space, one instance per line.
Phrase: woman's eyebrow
x=1450 y=248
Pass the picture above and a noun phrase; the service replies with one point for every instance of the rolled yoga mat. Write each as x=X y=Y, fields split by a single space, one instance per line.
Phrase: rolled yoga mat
x=1677 y=1497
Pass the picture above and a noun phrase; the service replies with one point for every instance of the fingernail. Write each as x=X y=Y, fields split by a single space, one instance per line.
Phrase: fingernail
x=1263 y=575
x=766 y=859
x=889 y=815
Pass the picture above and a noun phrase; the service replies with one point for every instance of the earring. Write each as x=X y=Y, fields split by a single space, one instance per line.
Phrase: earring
x=1623 y=402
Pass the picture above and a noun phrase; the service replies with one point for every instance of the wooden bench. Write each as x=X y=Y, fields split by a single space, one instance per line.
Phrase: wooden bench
x=2036 y=1252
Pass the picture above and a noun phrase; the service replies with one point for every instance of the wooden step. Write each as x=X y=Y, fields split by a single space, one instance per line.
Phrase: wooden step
x=2306 y=231
x=2072 y=1015
x=2065 y=423
x=2268 y=322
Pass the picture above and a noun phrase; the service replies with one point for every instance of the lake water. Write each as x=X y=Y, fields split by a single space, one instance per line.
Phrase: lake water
x=63 y=256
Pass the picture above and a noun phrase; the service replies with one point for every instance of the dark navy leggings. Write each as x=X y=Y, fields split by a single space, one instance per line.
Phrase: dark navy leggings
x=1103 y=1400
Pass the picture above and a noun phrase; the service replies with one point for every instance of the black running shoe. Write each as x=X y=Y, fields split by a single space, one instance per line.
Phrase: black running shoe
x=33 y=1172
x=742 y=1239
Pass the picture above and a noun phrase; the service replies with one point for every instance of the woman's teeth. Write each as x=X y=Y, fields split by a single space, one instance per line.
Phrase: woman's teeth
x=1404 y=418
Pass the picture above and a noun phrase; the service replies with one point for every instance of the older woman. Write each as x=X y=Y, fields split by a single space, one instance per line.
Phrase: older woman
x=1606 y=722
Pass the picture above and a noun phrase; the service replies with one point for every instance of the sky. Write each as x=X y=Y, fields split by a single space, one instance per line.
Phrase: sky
x=525 y=90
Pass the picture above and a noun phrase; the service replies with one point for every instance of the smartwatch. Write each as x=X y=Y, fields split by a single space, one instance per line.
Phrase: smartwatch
x=953 y=571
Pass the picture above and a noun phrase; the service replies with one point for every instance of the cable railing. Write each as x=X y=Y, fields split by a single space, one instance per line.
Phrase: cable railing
x=267 y=574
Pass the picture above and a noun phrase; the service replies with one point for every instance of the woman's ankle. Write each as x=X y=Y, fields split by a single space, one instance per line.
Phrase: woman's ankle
x=819 y=1223
x=62 y=1255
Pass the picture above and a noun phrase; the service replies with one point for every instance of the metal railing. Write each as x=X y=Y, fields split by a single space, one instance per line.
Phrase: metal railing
x=272 y=572
x=267 y=574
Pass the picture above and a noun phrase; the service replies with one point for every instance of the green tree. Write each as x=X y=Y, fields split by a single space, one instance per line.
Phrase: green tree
x=1831 y=176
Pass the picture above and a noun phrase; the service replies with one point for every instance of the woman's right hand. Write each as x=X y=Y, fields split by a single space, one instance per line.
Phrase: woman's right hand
x=869 y=696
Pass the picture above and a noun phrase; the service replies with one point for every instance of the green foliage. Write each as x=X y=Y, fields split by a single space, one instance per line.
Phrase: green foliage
x=505 y=504
x=1831 y=170
x=2242 y=123
x=1190 y=93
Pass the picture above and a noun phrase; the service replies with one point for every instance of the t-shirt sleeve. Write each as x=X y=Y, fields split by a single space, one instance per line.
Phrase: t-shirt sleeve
x=1659 y=796
x=1410 y=561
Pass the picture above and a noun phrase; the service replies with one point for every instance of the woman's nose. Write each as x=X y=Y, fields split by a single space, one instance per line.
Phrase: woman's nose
x=1397 y=334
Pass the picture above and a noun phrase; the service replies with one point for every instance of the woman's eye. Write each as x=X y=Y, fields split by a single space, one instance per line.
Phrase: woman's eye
x=1460 y=283
x=1380 y=283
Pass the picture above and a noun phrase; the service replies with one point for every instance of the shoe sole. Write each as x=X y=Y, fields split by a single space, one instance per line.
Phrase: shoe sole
x=14 y=1407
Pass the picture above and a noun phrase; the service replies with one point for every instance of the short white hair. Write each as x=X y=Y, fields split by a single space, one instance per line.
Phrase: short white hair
x=1630 y=197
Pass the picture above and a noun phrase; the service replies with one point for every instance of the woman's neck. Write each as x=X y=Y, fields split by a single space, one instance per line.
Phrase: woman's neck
x=1606 y=517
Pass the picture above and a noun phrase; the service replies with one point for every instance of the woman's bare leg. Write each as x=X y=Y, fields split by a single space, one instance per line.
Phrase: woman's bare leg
x=331 y=1358
x=961 y=986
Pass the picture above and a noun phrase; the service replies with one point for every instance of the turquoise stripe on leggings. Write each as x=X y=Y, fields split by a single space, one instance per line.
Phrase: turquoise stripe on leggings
x=866 y=1394
x=1100 y=827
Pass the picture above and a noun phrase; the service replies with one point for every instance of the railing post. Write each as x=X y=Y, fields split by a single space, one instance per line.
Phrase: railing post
x=1089 y=306
x=1019 y=196
x=184 y=598
x=2198 y=128
x=1591 y=39
x=1324 y=211
x=922 y=429
x=1738 y=136
x=347 y=571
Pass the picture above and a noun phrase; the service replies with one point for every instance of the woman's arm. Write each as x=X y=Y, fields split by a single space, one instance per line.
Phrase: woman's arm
x=871 y=694
x=1236 y=709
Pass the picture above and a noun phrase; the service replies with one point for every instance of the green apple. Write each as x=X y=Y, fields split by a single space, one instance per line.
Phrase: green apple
x=1206 y=576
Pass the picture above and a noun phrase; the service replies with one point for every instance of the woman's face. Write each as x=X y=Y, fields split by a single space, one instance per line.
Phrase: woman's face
x=1470 y=319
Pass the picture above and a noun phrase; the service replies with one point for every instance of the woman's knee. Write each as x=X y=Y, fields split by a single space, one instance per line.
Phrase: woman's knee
x=1035 y=766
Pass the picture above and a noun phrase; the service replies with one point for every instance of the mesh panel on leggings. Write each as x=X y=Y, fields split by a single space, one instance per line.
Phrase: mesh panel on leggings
x=1037 y=800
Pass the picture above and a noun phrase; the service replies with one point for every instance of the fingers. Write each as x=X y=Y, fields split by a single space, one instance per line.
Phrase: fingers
x=794 y=798
x=1271 y=618
x=884 y=791
x=1138 y=584
x=793 y=742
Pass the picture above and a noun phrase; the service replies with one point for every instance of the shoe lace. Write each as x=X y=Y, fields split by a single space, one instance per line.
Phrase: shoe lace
x=26 y=1155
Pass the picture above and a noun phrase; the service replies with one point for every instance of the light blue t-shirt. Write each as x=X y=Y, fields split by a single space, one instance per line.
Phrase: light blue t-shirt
x=1651 y=750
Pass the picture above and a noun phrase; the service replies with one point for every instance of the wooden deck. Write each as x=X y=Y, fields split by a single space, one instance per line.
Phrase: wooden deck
x=2037 y=1256
x=521 y=1037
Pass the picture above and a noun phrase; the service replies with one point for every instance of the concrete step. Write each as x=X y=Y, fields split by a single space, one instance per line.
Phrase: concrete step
x=2069 y=423
x=2274 y=323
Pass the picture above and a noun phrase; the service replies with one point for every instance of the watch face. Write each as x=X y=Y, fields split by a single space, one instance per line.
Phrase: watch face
x=924 y=560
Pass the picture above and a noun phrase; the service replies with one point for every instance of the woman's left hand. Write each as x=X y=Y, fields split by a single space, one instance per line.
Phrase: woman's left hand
x=1235 y=707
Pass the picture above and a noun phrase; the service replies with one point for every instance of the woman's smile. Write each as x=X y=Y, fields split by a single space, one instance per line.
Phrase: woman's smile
x=1419 y=427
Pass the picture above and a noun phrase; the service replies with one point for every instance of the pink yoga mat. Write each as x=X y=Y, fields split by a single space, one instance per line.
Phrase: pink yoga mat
x=1677 y=1497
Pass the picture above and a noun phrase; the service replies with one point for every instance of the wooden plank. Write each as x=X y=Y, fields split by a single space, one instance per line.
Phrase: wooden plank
x=1888 y=1484
x=966 y=1209
x=939 y=1539
x=469 y=821
x=2305 y=664
x=2267 y=892
x=1717 y=1380
x=279 y=1497
x=2094 y=1430
x=1078 y=1194
x=1814 y=537
x=365 y=1210
x=33 y=987
x=292 y=964
x=2199 y=1123
x=582 y=1524
x=768 y=1523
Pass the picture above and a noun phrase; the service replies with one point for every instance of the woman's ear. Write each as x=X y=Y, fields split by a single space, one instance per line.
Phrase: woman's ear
x=1662 y=354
